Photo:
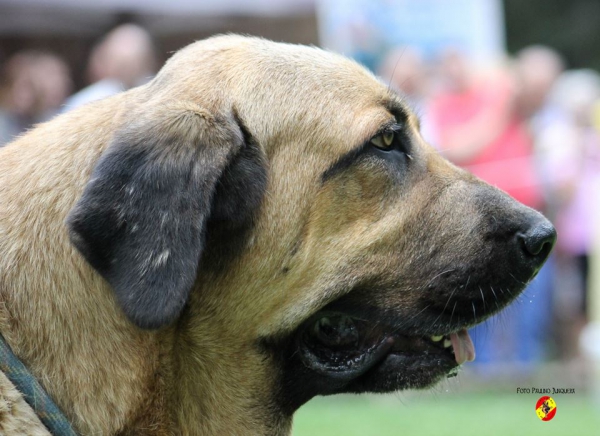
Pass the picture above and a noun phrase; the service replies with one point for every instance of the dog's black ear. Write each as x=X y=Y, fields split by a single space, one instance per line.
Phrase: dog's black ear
x=141 y=220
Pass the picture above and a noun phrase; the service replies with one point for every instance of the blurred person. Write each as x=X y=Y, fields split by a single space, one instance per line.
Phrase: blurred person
x=34 y=85
x=572 y=161
x=125 y=58
x=589 y=340
x=467 y=111
x=537 y=69
x=477 y=126
x=482 y=124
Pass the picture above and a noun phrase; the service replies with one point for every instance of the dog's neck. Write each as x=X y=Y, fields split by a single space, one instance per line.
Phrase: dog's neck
x=216 y=385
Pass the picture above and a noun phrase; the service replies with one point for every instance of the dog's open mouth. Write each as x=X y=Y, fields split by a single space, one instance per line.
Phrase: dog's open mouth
x=375 y=357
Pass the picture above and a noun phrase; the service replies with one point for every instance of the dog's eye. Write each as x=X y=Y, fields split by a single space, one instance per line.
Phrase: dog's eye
x=384 y=141
x=394 y=142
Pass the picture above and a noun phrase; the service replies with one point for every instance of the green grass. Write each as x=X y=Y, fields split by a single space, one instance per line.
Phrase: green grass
x=446 y=413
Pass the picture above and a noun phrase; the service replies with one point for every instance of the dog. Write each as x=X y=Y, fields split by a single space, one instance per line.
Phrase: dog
x=259 y=224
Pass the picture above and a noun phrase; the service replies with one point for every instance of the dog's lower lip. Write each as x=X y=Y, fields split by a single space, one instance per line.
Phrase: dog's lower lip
x=371 y=343
x=350 y=367
x=340 y=346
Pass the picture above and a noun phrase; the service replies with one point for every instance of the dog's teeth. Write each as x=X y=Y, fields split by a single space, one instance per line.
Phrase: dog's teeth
x=436 y=338
x=447 y=343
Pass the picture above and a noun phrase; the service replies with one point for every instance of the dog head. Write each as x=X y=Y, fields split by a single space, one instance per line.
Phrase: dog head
x=276 y=207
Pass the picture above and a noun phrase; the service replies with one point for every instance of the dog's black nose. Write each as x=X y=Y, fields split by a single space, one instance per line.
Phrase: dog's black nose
x=538 y=240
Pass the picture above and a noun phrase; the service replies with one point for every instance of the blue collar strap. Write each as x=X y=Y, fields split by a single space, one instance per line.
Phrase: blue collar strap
x=33 y=392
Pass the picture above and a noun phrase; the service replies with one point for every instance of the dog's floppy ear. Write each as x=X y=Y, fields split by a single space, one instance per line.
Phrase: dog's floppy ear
x=141 y=220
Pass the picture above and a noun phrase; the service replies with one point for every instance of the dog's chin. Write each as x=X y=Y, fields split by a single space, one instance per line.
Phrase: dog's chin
x=351 y=347
x=355 y=355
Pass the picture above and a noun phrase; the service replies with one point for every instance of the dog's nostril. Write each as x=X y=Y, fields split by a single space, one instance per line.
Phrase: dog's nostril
x=538 y=240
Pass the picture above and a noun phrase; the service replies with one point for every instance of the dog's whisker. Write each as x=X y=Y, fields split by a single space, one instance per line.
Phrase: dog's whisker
x=452 y=314
x=493 y=292
x=443 y=310
x=482 y=297
x=517 y=280
x=495 y=297
x=438 y=275
x=394 y=70
x=449 y=298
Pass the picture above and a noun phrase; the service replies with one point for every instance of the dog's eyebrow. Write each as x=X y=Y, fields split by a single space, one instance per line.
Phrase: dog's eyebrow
x=347 y=159
x=401 y=110
x=401 y=115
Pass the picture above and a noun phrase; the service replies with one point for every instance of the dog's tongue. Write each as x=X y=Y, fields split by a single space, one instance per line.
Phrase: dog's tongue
x=463 y=346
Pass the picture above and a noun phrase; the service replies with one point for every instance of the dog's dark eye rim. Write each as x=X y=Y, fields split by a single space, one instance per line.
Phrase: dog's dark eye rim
x=391 y=138
x=400 y=147
x=385 y=138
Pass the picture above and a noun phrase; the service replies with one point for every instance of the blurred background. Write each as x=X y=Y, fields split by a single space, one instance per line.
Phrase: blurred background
x=508 y=89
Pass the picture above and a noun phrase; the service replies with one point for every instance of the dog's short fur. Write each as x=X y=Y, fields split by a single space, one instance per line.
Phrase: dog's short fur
x=172 y=258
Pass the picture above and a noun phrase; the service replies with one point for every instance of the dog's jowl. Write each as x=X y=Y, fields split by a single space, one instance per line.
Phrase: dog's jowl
x=260 y=224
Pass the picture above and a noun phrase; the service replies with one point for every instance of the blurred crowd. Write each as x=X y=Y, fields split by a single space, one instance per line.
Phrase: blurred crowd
x=35 y=85
x=532 y=128
x=529 y=126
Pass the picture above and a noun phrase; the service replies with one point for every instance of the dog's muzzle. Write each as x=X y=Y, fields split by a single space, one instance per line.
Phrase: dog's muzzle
x=354 y=346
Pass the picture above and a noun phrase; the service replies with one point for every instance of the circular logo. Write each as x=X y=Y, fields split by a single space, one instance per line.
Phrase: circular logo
x=545 y=408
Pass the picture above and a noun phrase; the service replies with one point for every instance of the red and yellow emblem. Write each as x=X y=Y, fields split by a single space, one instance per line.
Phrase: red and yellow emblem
x=545 y=408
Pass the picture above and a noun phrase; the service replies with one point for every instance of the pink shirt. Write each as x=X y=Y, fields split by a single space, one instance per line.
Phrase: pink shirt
x=507 y=162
